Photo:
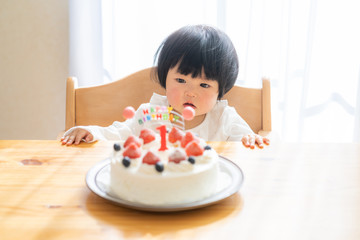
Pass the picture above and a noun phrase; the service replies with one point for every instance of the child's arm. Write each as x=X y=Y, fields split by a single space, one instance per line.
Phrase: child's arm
x=238 y=130
x=91 y=133
x=116 y=131
x=75 y=137
x=250 y=140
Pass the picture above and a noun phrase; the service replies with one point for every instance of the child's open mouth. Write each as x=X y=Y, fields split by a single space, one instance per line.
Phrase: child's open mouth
x=189 y=105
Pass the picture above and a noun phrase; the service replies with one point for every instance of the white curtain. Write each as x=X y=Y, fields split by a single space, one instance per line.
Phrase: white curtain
x=85 y=27
x=308 y=48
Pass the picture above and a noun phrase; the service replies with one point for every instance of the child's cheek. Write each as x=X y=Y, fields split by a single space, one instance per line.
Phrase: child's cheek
x=173 y=97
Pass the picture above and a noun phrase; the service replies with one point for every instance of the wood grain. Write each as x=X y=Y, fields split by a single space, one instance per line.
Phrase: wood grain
x=291 y=191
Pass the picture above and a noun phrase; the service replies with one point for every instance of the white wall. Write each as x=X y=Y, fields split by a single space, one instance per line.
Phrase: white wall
x=33 y=68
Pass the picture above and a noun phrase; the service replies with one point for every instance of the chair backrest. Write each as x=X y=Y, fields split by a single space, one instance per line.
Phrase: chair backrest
x=103 y=104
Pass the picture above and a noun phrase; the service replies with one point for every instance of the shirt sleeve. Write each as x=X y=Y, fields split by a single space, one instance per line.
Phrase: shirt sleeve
x=117 y=130
x=235 y=126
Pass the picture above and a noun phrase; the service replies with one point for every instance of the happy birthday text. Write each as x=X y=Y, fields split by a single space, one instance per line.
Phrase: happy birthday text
x=158 y=113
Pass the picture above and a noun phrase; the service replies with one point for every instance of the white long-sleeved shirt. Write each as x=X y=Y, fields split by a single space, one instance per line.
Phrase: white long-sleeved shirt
x=222 y=123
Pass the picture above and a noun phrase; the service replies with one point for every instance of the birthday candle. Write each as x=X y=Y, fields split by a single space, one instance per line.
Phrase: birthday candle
x=162 y=130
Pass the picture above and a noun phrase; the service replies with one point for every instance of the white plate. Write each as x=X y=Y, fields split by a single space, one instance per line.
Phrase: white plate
x=231 y=177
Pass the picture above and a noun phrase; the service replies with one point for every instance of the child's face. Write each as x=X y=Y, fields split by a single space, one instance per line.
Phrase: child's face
x=183 y=90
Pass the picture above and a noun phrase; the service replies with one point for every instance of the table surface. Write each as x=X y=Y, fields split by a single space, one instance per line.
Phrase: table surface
x=291 y=191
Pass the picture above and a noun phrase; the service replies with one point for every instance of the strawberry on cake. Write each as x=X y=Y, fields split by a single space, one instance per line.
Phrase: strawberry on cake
x=143 y=171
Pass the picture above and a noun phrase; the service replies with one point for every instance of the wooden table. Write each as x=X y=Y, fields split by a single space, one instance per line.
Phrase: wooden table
x=291 y=191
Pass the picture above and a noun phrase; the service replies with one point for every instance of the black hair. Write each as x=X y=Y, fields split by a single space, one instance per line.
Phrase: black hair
x=197 y=48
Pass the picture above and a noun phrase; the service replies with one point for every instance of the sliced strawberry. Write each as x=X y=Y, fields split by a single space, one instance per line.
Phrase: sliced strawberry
x=132 y=139
x=132 y=151
x=194 y=149
x=177 y=156
x=175 y=135
x=147 y=135
x=151 y=158
x=189 y=137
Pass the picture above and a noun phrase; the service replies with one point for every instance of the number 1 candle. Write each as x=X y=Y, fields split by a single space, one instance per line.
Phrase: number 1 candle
x=162 y=130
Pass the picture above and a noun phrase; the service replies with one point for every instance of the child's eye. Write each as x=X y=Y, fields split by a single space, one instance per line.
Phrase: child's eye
x=204 y=85
x=180 y=80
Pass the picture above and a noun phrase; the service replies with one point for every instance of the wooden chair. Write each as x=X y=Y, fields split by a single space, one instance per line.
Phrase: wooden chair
x=103 y=104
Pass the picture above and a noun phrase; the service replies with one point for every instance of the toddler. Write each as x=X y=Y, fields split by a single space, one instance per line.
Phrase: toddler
x=196 y=65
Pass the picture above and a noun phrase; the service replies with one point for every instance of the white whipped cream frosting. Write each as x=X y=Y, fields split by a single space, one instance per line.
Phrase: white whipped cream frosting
x=181 y=182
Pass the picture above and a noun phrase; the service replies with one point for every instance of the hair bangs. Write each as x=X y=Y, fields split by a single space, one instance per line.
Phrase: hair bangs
x=198 y=60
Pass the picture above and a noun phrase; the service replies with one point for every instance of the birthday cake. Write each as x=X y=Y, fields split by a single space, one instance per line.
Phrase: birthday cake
x=172 y=167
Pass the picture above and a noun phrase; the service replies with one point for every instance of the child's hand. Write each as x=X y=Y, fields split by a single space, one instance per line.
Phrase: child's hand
x=251 y=139
x=76 y=136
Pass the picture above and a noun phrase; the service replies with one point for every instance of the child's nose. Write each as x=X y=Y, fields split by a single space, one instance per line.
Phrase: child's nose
x=190 y=93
